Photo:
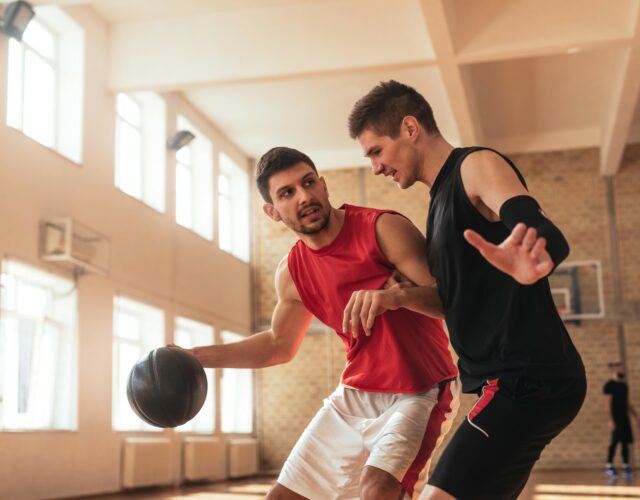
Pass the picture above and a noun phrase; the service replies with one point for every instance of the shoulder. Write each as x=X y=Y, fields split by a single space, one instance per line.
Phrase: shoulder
x=394 y=223
x=485 y=162
x=284 y=282
x=608 y=387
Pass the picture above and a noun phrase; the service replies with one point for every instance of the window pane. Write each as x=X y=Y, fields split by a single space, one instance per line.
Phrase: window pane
x=39 y=99
x=127 y=356
x=31 y=300
x=234 y=211
x=129 y=160
x=184 y=196
x=224 y=223
x=148 y=324
x=189 y=334
x=8 y=292
x=26 y=340
x=128 y=326
x=184 y=155
x=128 y=109
x=223 y=184
x=237 y=395
x=37 y=351
x=14 y=94
x=39 y=39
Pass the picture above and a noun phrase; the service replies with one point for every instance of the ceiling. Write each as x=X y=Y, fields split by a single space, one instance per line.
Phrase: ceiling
x=518 y=75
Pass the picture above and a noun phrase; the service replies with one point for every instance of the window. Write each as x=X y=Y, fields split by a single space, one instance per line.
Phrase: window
x=38 y=365
x=189 y=334
x=233 y=208
x=237 y=394
x=194 y=179
x=140 y=147
x=137 y=329
x=45 y=82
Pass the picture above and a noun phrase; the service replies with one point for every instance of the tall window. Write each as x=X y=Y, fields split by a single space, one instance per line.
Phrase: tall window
x=38 y=364
x=140 y=147
x=46 y=81
x=194 y=180
x=137 y=329
x=233 y=208
x=33 y=66
x=188 y=334
x=237 y=394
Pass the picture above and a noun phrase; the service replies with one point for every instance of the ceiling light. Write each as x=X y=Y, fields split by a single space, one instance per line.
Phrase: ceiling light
x=16 y=17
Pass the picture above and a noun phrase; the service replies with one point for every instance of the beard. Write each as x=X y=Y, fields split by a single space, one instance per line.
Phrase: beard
x=311 y=227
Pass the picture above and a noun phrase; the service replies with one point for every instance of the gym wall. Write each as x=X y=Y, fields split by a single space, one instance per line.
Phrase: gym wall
x=573 y=194
x=152 y=260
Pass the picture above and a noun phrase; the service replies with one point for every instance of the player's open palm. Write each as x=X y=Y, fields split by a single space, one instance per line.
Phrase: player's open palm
x=521 y=255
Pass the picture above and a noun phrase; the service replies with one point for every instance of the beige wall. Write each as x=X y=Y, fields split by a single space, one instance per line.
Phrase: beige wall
x=570 y=190
x=152 y=259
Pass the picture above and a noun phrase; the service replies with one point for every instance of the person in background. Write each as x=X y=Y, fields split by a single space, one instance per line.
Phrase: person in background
x=618 y=407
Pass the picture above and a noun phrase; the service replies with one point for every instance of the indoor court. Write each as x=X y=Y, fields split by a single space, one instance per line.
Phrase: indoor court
x=187 y=195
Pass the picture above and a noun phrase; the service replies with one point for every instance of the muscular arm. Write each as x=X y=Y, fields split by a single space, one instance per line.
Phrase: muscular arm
x=278 y=345
x=493 y=187
x=404 y=246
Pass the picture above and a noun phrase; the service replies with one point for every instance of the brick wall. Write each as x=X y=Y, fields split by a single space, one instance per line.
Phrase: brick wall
x=572 y=193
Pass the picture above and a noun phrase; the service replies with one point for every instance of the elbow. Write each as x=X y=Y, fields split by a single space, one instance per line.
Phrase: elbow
x=557 y=245
x=281 y=353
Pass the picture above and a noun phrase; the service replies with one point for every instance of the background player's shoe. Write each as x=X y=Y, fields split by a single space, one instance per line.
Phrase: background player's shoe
x=627 y=472
x=611 y=471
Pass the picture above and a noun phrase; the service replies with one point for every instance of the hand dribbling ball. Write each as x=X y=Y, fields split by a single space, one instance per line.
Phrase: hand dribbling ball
x=167 y=387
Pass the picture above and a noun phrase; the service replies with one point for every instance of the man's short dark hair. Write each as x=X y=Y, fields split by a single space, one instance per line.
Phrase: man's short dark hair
x=385 y=106
x=276 y=160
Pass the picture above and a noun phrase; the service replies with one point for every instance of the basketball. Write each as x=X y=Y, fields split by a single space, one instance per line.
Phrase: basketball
x=167 y=387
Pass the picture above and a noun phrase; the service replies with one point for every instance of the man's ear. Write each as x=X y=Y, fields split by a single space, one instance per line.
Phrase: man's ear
x=411 y=127
x=271 y=212
x=324 y=183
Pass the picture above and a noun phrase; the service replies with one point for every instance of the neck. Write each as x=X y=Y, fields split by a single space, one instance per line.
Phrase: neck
x=435 y=151
x=325 y=237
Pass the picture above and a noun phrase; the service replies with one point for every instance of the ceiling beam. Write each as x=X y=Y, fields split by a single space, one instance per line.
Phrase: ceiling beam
x=463 y=109
x=541 y=48
x=626 y=88
x=184 y=84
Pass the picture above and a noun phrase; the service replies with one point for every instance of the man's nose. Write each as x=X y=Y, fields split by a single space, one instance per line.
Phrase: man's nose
x=376 y=166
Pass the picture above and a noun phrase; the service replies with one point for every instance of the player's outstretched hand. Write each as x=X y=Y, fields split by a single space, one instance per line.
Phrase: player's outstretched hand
x=521 y=255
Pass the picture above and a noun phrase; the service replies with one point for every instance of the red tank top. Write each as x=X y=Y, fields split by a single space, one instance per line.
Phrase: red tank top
x=406 y=352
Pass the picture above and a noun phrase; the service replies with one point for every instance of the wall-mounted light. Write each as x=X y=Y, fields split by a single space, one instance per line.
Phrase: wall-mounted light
x=180 y=139
x=15 y=18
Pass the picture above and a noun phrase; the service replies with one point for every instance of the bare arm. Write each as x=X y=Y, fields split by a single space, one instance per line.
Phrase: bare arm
x=278 y=345
x=404 y=246
x=489 y=182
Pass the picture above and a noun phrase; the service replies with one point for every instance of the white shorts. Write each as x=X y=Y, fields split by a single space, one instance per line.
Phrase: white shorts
x=397 y=433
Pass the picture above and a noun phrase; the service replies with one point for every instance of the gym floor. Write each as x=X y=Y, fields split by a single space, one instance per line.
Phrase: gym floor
x=543 y=485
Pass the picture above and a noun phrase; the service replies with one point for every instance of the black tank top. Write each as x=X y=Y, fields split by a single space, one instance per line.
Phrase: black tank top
x=498 y=327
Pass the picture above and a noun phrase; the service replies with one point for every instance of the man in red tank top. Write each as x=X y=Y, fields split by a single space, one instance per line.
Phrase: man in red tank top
x=374 y=436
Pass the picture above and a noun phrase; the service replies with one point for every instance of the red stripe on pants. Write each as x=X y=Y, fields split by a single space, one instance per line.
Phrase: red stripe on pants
x=488 y=391
x=430 y=438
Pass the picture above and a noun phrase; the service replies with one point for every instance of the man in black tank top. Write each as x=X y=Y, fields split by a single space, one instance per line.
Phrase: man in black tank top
x=490 y=248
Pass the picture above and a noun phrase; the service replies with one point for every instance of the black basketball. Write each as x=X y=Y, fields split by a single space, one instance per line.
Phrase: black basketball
x=167 y=387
